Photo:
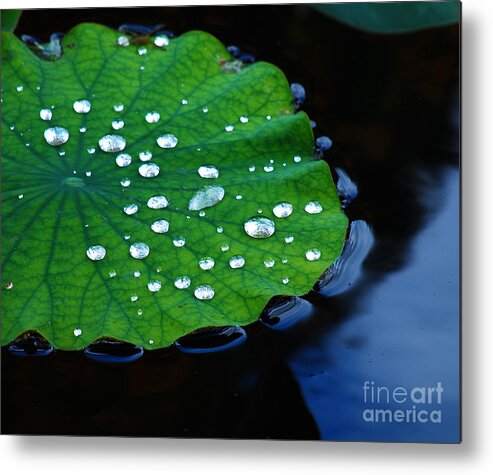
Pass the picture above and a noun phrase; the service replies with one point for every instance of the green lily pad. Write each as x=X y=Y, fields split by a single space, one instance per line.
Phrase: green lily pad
x=90 y=246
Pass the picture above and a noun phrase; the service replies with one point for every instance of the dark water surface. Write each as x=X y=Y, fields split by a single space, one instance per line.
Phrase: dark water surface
x=391 y=106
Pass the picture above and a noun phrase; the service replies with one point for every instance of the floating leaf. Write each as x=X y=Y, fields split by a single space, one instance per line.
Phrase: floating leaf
x=147 y=194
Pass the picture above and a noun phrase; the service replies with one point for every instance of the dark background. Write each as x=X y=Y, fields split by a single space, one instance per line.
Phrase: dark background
x=391 y=105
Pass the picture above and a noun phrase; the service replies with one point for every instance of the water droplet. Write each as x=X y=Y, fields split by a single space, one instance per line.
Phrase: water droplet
x=123 y=160
x=139 y=250
x=126 y=237
x=182 y=282
x=205 y=110
x=289 y=239
x=268 y=117
x=61 y=152
x=91 y=150
x=243 y=119
x=112 y=274
x=152 y=117
x=56 y=136
x=118 y=124
x=236 y=262
x=296 y=159
x=145 y=156
x=154 y=285
x=203 y=292
x=184 y=102
x=313 y=255
x=283 y=210
x=77 y=332
x=285 y=280
x=206 y=263
x=179 y=241
x=161 y=40
x=206 y=197
x=137 y=273
x=122 y=41
x=208 y=171
x=125 y=182
x=167 y=141
x=220 y=229
x=131 y=209
x=12 y=127
x=134 y=298
x=157 y=202
x=88 y=173
x=201 y=213
x=229 y=128
x=20 y=196
x=313 y=207
x=268 y=168
x=82 y=106
x=118 y=107
x=20 y=88
x=82 y=130
x=151 y=342
x=269 y=263
x=112 y=143
x=259 y=228
x=161 y=226
x=284 y=261
x=149 y=170
x=225 y=247
x=96 y=253
x=142 y=50
x=45 y=114
x=9 y=285
x=251 y=168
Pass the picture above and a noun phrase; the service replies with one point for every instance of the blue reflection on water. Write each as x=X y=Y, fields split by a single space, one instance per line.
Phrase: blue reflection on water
x=404 y=332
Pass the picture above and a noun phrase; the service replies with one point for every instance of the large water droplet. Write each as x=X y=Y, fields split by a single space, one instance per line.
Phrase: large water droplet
x=131 y=209
x=182 y=282
x=161 y=41
x=118 y=124
x=96 y=253
x=179 y=241
x=56 y=136
x=269 y=263
x=236 y=262
x=208 y=171
x=203 y=292
x=152 y=117
x=283 y=210
x=313 y=255
x=46 y=114
x=77 y=332
x=154 y=285
x=145 y=156
x=123 y=160
x=157 y=202
x=139 y=250
x=206 y=263
x=82 y=106
x=112 y=143
x=313 y=207
x=167 y=141
x=149 y=170
x=259 y=228
x=161 y=226
x=206 y=197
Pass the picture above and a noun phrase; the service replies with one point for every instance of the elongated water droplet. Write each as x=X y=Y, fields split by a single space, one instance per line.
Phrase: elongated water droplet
x=123 y=160
x=203 y=292
x=56 y=136
x=139 y=250
x=208 y=171
x=149 y=170
x=313 y=207
x=268 y=168
x=118 y=124
x=161 y=226
x=131 y=209
x=161 y=41
x=154 y=286
x=112 y=143
x=96 y=253
x=145 y=156
x=259 y=228
x=283 y=210
x=206 y=197
x=152 y=117
x=82 y=106
x=179 y=241
x=313 y=255
x=45 y=114
x=167 y=141
x=182 y=282
x=157 y=202
x=236 y=262
x=206 y=263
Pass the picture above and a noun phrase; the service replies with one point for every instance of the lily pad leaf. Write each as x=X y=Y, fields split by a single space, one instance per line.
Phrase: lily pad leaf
x=147 y=192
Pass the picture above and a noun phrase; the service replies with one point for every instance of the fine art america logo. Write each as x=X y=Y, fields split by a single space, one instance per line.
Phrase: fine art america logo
x=419 y=404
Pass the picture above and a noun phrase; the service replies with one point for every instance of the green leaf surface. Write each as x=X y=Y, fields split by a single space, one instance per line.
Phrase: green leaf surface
x=393 y=17
x=58 y=201
x=9 y=18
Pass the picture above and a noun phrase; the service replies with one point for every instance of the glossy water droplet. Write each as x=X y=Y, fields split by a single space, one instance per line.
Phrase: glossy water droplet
x=137 y=273
x=268 y=168
x=149 y=170
x=161 y=226
x=201 y=213
x=205 y=110
x=134 y=298
x=88 y=173
x=243 y=119
x=239 y=197
x=82 y=106
x=167 y=141
x=83 y=129
x=203 y=292
x=269 y=263
x=77 y=332
x=91 y=150
x=154 y=286
x=125 y=182
x=259 y=228
x=282 y=210
x=225 y=247
x=297 y=159
x=122 y=41
x=152 y=117
x=61 y=152
x=229 y=128
x=251 y=168
x=12 y=127
x=313 y=207
x=56 y=136
x=182 y=282
x=184 y=102
x=96 y=253
x=118 y=107
x=220 y=229
x=139 y=250
x=157 y=202
x=112 y=143
x=123 y=160
x=236 y=262
x=131 y=209
x=179 y=241
x=268 y=117
x=20 y=88
x=285 y=280
x=118 y=124
x=313 y=255
x=126 y=237
x=206 y=263
x=208 y=171
x=46 y=114
x=20 y=196
x=9 y=285
x=161 y=41
x=288 y=239
x=142 y=50
x=206 y=197
x=145 y=156
x=112 y=274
